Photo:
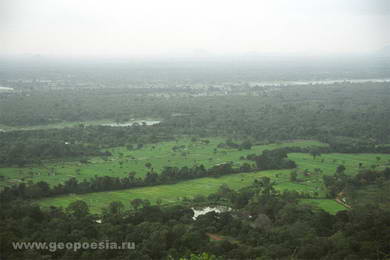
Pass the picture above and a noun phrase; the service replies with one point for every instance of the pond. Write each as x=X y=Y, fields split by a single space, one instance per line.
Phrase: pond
x=139 y=122
x=202 y=211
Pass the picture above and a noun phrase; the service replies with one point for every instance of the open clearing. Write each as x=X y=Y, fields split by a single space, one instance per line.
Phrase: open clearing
x=189 y=153
x=166 y=193
x=329 y=205
x=124 y=161
x=310 y=182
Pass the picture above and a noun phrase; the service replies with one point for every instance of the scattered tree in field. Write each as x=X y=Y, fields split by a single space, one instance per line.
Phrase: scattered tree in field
x=293 y=176
x=317 y=170
x=205 y=141
x=315 y=153
x=246 y=145
x=136 y=203
x=115 y=208
x=340 y=169
x=131 y=174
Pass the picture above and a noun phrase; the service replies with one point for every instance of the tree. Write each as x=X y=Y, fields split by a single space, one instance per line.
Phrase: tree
x=340 y=169
x=136 y=203
x=315 y=153
x=131 y=175
x=115 y=208
x=246 y=145
x=266 y=186
x=78 y=209
x=262 y=222
x=293 y=176
x=225 y=191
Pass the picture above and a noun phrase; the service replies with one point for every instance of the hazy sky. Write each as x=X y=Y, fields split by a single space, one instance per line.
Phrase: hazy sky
x=182 y=27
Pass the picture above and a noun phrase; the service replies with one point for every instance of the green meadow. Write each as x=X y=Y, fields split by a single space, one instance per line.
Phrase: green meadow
x=168 y=194
x=174 y=193
x=186 y=152
x=329 y=205
x=329 y=162
x=310 y=171
x=124 y=161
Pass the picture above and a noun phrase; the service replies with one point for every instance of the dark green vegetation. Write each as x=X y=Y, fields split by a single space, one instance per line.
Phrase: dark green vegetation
x=264 y=113
x=263 y=223
x=367 y=186
x=297 y=165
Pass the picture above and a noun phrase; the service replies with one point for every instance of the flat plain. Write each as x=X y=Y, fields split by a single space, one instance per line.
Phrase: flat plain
x=310 y=172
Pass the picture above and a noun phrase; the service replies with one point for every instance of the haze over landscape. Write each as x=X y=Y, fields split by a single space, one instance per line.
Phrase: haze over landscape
x=71 y=28
x=195 y=130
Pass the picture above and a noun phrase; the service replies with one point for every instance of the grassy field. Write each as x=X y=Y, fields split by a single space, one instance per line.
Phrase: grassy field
x=166 y=193
x=124 y=161
x=329 y=162
x=310 y=182
x=329 y=205
x=310 y=171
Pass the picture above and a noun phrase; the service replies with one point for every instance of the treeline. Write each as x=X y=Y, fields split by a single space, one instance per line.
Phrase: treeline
x=169 y=175
x=272 y=114
x=272 y=159
x=340 y=182
x=338 y=147
x=354 y=145
x=263 y=223
x=26 y=147
x=358 y=148
x=22 y=154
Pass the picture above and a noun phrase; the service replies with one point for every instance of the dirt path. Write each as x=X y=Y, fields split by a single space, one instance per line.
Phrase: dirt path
x=214 y=237
x=339 y=201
